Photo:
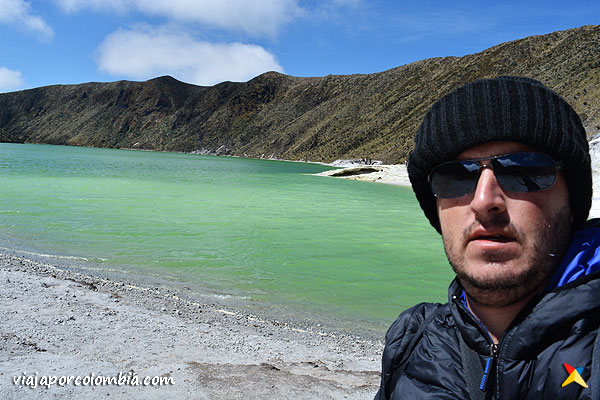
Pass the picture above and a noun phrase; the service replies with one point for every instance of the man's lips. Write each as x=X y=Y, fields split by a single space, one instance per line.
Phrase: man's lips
x=494 y=238
x=490 y=236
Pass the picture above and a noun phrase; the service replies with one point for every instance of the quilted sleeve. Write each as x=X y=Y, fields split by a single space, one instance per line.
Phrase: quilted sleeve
x=399 y=343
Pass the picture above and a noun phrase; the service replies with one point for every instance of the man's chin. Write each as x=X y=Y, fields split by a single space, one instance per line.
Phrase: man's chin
x=497 y=297
x=499 y=289
x=492 y=280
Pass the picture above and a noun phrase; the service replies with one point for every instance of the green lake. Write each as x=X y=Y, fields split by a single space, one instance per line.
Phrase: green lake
x=264 y=235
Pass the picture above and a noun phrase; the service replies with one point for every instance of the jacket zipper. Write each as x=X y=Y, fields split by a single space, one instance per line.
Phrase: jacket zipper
x=490 y=364
x=490 y=367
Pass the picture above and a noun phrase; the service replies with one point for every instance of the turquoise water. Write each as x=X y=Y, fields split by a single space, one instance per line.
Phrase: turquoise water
x=263 y=232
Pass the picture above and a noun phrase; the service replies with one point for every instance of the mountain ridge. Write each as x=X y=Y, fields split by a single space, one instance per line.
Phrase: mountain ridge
x=296 y=118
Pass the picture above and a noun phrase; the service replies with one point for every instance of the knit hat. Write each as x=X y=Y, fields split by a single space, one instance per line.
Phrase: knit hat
x=507 y=108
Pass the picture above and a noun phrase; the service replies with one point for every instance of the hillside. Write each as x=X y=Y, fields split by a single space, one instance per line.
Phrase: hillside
x=276 y=115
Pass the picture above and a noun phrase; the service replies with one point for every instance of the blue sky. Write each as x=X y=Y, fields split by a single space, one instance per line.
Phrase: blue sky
x=46 y=42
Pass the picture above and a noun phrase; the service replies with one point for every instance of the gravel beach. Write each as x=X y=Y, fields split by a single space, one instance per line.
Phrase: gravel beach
x=65 y=334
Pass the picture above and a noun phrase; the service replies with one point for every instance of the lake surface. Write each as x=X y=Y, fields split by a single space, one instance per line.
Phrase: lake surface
x=263 y=234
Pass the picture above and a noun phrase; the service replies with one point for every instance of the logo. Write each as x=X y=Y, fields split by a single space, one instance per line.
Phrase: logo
x=574 y=376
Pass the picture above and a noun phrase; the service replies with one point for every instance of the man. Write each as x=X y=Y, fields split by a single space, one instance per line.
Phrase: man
x=501 y=169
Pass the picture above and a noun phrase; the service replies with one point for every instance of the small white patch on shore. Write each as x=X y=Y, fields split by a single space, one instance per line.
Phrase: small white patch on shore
x=390 y=174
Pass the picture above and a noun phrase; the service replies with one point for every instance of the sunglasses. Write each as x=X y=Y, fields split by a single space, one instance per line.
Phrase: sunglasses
x=515 y=172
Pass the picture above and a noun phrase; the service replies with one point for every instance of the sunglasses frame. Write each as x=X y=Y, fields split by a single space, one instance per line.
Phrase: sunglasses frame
x=555 y=164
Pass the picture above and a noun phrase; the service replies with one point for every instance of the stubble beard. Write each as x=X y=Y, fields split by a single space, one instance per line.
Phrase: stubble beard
x=553 y=237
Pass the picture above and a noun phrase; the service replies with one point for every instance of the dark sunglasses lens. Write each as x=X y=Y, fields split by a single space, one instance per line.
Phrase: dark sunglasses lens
x=454 y=179
x=525 y=172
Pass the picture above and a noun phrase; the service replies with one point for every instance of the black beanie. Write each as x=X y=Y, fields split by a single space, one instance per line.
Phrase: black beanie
x=507 y=108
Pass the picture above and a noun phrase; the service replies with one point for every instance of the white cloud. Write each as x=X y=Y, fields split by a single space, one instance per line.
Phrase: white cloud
x=256 y=17
x=145 y=53
x=18 y=12
x=10 y=80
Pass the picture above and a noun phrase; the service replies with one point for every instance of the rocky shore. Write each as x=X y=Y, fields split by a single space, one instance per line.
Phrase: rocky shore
x=59 y=325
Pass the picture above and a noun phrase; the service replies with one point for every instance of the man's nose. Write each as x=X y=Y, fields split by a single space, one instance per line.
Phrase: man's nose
x=488 y=196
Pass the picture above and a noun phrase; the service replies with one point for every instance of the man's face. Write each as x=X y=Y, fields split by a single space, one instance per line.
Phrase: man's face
x=504 y=245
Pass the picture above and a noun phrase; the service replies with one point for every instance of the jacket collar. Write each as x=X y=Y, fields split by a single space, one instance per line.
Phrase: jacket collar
x=581 y=259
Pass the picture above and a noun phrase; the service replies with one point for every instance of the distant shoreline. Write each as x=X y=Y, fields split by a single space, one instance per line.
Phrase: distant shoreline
x=396 y=174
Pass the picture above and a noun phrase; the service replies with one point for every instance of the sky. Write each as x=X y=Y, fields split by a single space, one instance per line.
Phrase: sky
x=204 y=42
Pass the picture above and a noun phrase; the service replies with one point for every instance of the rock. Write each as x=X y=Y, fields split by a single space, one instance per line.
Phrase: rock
x=355 y=171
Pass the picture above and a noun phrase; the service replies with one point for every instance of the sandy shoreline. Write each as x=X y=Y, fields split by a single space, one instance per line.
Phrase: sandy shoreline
x=58 y=322
x=391 y=174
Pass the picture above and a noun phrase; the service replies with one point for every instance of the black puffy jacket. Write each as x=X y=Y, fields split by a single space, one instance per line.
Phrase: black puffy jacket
x=436 y=351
